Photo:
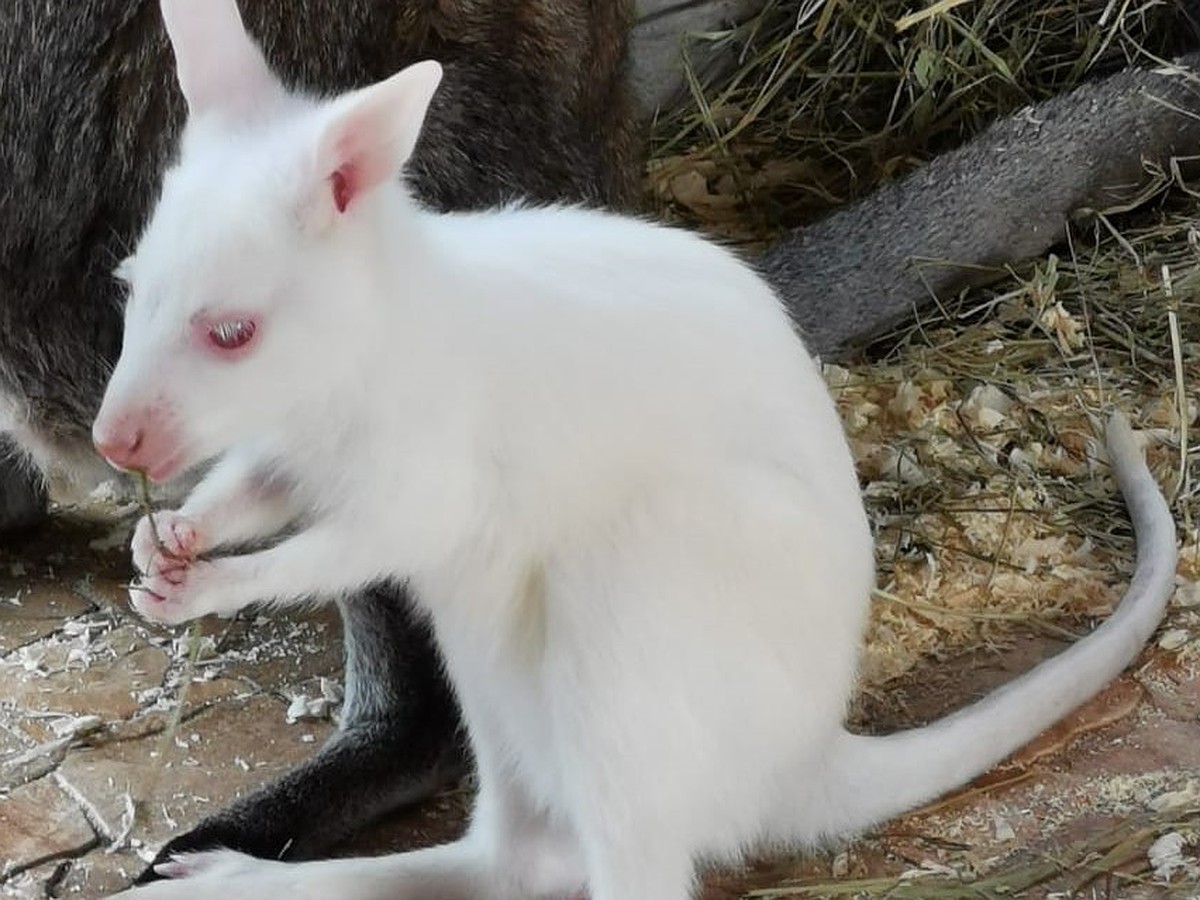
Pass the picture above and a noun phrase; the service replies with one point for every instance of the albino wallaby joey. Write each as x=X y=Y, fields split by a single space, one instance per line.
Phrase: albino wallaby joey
x=89 y=113
x=597 y=450
x=534 y=104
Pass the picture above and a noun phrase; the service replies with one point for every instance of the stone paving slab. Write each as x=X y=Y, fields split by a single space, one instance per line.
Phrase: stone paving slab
x=170 y=780
x=89 y=783
x=31 y=612
x=40 y=822
x=113 y=681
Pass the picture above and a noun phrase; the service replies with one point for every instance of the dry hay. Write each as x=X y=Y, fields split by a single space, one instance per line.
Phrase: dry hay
x=976 y=429
x=977 y=440
x=828 y=99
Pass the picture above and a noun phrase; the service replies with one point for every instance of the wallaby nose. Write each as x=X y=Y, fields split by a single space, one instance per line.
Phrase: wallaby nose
x=120 y=445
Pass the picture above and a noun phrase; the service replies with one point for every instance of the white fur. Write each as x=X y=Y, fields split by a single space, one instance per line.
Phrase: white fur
x=606 y=464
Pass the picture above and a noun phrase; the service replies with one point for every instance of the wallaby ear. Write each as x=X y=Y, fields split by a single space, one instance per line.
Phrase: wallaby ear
x=219 y=66
x=371 y=133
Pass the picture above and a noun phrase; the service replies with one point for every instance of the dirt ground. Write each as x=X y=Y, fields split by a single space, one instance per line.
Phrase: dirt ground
x=89 y=784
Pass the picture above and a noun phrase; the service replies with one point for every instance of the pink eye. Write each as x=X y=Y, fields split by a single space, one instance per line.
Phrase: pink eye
x=231 y=333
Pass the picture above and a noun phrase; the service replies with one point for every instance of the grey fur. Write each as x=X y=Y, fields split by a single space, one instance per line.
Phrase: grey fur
x=23 y=495
x=1004 y=196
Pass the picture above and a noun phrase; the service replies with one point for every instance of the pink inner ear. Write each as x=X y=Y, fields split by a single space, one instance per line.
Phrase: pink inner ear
x=343 y=185
x=362 y=157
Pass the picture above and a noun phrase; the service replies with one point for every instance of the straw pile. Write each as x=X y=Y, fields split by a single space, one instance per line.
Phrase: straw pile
x=828 y=98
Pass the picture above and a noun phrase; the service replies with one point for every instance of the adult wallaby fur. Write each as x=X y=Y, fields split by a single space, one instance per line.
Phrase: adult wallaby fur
x=595 y=447
x=534 y=105
x=1005 y=196
x=88 y=110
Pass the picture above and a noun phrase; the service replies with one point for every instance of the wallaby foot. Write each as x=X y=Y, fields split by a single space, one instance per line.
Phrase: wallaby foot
x=399 y=744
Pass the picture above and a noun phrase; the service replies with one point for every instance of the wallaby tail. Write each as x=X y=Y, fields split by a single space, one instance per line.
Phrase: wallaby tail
x=1003 y=197
x=873 y=778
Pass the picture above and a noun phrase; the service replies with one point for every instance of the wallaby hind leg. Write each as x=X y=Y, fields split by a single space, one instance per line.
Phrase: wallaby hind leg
x=399 y=742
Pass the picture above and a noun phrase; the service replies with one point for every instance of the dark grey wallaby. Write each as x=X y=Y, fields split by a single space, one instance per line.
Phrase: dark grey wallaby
x=534 y=104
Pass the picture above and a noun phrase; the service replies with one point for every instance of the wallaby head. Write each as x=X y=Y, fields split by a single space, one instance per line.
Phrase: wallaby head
x=255 y=265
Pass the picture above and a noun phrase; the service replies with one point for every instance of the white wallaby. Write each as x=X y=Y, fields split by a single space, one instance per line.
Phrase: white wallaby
x=597 y=451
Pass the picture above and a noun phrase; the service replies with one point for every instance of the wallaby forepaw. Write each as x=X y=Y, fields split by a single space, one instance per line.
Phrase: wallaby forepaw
x=164 y=534
x=170 y=592
x=164 y=548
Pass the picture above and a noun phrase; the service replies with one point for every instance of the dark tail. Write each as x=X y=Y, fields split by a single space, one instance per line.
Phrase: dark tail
x=1003 y=197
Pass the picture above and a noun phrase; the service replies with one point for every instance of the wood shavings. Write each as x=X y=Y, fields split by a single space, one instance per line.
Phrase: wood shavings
x=1174 y=639
x=1066 y=329
x=1002 y=829
x=120 y=840
x=304 y=707
x=1187 y=795
x=1166 y=856
x=1187 y=594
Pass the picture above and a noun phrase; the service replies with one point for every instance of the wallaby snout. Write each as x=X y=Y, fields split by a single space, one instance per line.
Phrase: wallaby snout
x=138 y=441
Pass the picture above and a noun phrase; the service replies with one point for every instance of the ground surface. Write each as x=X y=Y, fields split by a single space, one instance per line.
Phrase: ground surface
x=89 y=785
